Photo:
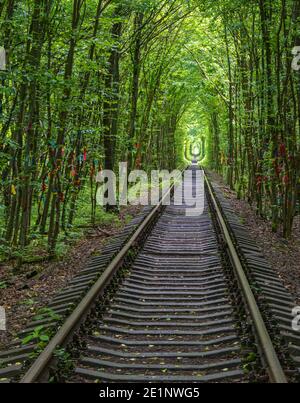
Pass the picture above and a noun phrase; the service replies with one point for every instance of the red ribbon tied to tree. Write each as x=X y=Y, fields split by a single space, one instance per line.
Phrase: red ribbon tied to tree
x=282 y=150
x=44 y=187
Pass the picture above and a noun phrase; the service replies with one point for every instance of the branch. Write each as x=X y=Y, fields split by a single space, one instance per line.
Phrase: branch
x=206 y=76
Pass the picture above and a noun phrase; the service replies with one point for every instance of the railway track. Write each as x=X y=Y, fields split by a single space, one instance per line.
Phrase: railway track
x=172 y=318
x=173 y=305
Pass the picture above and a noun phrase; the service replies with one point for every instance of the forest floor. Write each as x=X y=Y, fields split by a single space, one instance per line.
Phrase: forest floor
x=36 y=284
x=282 y=254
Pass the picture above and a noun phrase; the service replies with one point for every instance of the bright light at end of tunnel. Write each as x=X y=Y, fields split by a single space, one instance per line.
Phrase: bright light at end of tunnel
x=196 y=150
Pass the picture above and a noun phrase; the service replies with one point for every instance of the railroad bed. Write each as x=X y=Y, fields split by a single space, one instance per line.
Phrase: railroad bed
x=172 y=318
x=178 y=312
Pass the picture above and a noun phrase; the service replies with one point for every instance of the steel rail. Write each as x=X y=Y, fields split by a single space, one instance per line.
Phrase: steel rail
x=275 y=369
x=72 y=323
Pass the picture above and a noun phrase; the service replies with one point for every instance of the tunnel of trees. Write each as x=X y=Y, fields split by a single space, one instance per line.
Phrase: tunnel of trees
x=89 y=83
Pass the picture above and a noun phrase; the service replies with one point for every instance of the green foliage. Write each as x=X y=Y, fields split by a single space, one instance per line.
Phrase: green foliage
x=39 y=334
x=139 y=81
x=47 y=313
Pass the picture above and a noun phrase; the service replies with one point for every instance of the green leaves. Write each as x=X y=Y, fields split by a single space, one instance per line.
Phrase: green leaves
x=3 y=285
x=46 y=313
x=38 y=334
